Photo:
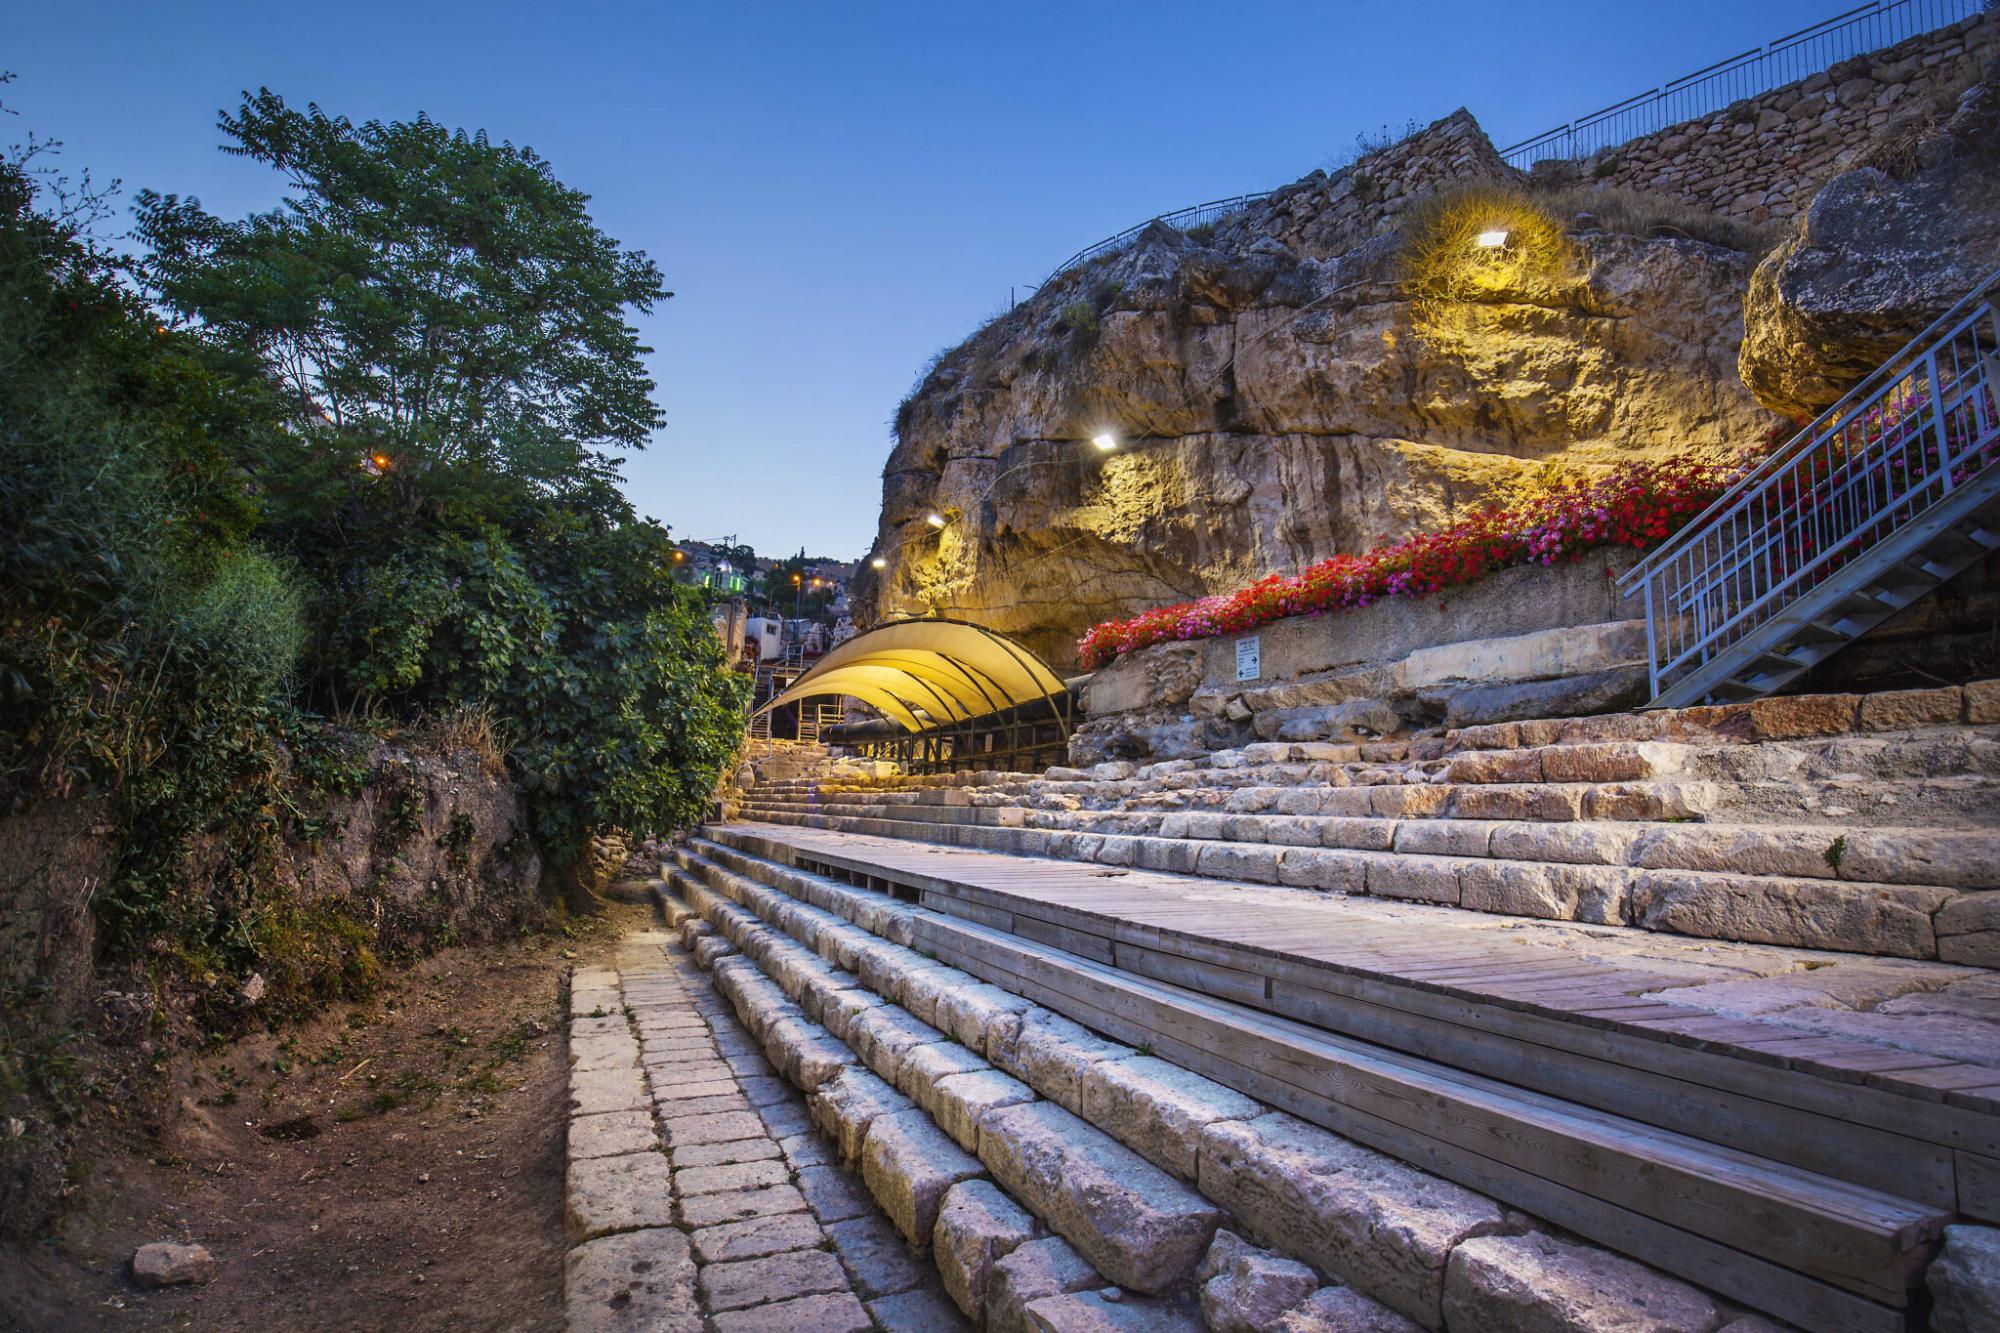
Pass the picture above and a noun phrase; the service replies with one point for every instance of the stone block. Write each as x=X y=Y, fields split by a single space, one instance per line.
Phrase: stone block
x=755 y=1237
x=1481 y=767
x=594 y=1091
x=844 y=1108
x=1108 y=1312
x=1379 y=1225
x=710 y=1210
x=1799 y=913
x=1982 y=703
x=1331 y=869
x=1795 y=717
x=606 y=1194
x=746 y=1282
x=711 y=1127
x=982 y=1016
x=1964 y=1281
x=876 y=1259
x=1597 y=894
x=924 y=1309
x=1426 y=879
x=1901 y=710
x=1050 y=1054
x=1036 y=1269
x=1612 y=761
x=923 y=1066
x=1536 y=1282
x=635 y=1279
x=1253 y=1289
x=1158 y=1109
x=832 y=1313
x=882 y=1036
x=691 y=1181
x=909 y=1165
x=834 y=1194
x=959 y=1101
x=976 y=1228
x=1343 y=1310
x=1226 y=860
x=1136 y=1224
x=612 y=1134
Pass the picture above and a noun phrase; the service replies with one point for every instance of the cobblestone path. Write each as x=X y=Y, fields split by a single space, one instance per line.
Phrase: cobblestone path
x=698 y=1195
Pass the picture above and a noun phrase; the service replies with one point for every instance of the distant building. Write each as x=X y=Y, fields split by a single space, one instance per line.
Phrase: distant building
x=709 y=565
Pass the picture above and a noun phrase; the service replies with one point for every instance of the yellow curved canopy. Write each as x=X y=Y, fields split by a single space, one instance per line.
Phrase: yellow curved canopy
x=921 y=673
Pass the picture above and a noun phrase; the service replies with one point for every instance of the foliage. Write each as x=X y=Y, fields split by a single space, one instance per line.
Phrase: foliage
x=362 y=463
x=422 y=291
x=1635 y=505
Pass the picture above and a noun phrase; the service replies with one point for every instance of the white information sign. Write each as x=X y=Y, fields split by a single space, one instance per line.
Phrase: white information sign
x=1249 y=658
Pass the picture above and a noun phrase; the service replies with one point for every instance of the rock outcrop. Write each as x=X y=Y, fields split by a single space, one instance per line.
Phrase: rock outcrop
x=1882 y=251
x=1279 y=397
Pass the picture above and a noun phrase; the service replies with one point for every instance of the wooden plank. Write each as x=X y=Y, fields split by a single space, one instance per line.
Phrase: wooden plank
x=1749 y=1070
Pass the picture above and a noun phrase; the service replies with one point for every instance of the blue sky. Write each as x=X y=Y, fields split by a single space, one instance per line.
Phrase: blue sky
x=837 y=191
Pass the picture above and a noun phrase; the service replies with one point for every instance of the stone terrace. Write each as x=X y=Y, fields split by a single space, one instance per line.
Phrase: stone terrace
x=1760 y=930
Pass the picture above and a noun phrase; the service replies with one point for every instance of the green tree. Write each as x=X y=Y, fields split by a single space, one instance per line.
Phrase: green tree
x=450 y=331
x=422 y=294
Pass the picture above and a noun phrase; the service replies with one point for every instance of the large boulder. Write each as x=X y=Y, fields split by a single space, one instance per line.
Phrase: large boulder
x=1881 y=252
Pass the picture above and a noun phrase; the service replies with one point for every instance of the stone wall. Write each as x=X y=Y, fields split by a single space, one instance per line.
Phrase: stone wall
x=1763 y=158
x=1526 y=642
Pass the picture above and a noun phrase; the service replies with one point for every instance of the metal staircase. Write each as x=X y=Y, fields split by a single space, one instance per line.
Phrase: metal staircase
x=1890 y=492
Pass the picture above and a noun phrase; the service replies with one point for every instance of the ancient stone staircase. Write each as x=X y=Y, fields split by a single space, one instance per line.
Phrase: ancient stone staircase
x=1866 y=825
x=1638 y=1036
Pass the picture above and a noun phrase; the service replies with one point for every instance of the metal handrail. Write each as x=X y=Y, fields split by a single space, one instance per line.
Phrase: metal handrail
x=1798 y=55
x=1811 y=50
x=1184 y=219
x=1892 y=454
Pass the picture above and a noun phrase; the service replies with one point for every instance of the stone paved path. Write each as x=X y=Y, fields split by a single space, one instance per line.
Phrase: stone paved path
x=698 y=1195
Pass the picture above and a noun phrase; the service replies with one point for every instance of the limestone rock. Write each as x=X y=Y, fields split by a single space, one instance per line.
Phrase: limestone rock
x=1383 y=1227
x=1964 y=1281
x=976 y=1227
x=1342 y=1310
x=909 y=1164
x=1295 y=403
x=1873 y=260
x=1039 y=1268
x=1159 y=1109
x=1538 y=1284
x=1250 y=1288
x=606 y=1194
x=168 y=1263
x=636 y=1279
x=1096 y=1312
x=1139 y=1226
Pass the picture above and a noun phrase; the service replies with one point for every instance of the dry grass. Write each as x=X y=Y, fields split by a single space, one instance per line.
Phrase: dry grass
x=1443 y=261
x=1638 y=213
x=467 y=729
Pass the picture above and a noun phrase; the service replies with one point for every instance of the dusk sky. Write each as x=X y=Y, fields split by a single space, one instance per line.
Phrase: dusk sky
x=837 y=191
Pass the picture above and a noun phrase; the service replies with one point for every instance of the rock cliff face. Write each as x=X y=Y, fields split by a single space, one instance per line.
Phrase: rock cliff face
x=1881 y=252
x=1278 y=397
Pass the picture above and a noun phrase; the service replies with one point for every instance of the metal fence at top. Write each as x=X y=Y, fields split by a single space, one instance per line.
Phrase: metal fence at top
x=1809 y=51
x=1800 y=55
x=1186 y=219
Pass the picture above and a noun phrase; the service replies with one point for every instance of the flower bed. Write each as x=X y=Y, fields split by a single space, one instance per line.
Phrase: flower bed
x=1636 y=505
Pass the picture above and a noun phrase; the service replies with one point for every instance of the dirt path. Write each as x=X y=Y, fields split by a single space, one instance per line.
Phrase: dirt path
x=396 y=1164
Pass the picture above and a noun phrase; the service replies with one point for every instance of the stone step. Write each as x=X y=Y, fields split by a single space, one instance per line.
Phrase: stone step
x=1891 y=920
x=1381 y=1227
x=1968 y=859
x=1798 y=1215
x=931 y=1154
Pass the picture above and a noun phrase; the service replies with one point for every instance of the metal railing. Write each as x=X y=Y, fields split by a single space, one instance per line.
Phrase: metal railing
x=1186 y=219
x=1809 y=51
x=1836 y=508
x=1855 y=32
